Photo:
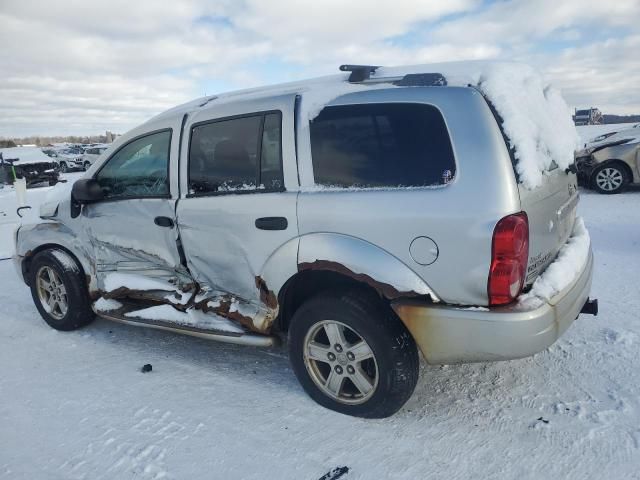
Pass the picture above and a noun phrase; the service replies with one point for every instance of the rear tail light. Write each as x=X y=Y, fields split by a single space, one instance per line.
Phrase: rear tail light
x=509 y=257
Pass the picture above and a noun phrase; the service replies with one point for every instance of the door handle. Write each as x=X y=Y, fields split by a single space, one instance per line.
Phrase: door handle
x=272 y=223
x=163 y=222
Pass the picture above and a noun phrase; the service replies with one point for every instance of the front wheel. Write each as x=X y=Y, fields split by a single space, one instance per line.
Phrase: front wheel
x=87 y=165
x=609 y=179
x=353 y=355
x=63 y=167
x=59 y=291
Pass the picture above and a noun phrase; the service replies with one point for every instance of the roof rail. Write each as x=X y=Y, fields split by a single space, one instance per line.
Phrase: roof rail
x=359 y=73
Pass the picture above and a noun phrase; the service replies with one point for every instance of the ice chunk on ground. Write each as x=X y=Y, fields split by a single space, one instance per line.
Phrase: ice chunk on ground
x=106 y=305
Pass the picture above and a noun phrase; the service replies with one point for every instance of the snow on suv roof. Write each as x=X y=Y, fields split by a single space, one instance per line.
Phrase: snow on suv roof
x=535 y=118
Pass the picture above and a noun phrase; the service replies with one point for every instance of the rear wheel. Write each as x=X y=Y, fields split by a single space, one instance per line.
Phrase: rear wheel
x=609 y=179
x=58 y=290
x=353 y=355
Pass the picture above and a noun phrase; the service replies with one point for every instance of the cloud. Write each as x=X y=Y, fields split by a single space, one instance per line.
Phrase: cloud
x=84 y=67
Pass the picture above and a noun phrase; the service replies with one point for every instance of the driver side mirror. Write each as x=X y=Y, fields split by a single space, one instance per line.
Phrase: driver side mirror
x=87 y=190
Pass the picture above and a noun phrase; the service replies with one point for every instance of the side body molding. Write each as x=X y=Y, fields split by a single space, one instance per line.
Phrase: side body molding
x=362 y=261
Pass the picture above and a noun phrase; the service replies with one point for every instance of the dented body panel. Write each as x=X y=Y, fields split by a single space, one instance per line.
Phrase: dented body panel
x=215 y=259
x=31 y=238
x=224 y=249
x=363 y=262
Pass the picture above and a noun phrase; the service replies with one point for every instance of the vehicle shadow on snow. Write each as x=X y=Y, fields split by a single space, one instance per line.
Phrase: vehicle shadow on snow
x=270 y=365
x=441 y=391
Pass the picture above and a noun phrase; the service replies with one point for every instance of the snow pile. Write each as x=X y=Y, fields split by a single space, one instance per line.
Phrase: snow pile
x=564 y=270
x=179 y=297
x=535 y=117
x=106 y=305
x=190 y=318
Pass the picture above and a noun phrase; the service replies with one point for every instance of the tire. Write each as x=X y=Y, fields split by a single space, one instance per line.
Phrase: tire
x=63 y=167
x=58 y=267
x=87 y=166
x=392 y=372
x=609 y=179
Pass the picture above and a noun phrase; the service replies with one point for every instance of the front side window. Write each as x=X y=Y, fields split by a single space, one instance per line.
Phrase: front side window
x=238 y=154
x=381 y=145
x=139 y=169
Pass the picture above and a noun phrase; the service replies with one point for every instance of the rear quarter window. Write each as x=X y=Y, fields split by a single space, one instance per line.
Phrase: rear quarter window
x=381 y=145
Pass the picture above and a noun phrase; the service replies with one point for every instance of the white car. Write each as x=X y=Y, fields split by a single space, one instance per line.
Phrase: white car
x=91 y=154
x=68 y=161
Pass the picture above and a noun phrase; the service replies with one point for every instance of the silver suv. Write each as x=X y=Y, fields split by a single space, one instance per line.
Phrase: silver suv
x=359 y=217
x=91 y=154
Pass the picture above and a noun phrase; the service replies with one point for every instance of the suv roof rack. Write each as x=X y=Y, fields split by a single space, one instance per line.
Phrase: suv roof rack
x=359 y=73
x=362 y=74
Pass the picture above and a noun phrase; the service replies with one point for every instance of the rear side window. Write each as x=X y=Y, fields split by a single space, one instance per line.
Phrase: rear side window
x=381 y=145
x=237 y=154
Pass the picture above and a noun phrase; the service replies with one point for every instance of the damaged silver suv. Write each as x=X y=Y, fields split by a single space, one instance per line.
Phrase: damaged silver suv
x=360 y=216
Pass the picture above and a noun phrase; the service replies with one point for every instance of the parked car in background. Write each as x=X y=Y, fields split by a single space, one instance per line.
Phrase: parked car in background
x=91 y=154
x=360 y=216
x=69 y=161
x=28 y=163
x=610 y=162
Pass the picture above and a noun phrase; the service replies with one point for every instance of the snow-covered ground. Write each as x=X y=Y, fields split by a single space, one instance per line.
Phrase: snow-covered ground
x=77 y=406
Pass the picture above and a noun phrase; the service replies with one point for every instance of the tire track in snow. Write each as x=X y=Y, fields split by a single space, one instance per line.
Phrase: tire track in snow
x=139 y=450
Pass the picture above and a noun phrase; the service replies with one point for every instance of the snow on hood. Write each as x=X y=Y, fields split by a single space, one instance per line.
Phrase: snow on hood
x=25 y=155
x=629 y=135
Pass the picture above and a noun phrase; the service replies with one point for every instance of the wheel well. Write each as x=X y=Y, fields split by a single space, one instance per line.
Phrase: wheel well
x=28 y=258
x=622 y=164
x=307 y=284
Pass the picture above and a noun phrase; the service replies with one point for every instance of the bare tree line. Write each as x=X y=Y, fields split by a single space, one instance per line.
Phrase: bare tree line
x=42 y=141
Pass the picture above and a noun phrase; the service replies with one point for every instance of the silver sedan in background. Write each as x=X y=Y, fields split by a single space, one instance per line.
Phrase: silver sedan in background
x=610 y=162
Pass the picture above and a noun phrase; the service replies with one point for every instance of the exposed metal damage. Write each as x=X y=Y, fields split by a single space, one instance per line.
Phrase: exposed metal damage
x=191 y=297
x=384 y=289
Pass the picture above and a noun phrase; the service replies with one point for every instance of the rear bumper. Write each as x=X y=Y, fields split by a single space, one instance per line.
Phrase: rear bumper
x=447 y=334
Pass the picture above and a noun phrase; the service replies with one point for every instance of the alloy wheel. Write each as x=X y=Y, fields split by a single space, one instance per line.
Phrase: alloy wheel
x=609 y=179
x=52 y=292
x=340 y=362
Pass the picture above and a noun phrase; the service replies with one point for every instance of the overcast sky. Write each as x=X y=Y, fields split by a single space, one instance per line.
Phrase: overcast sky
x=83 y=67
